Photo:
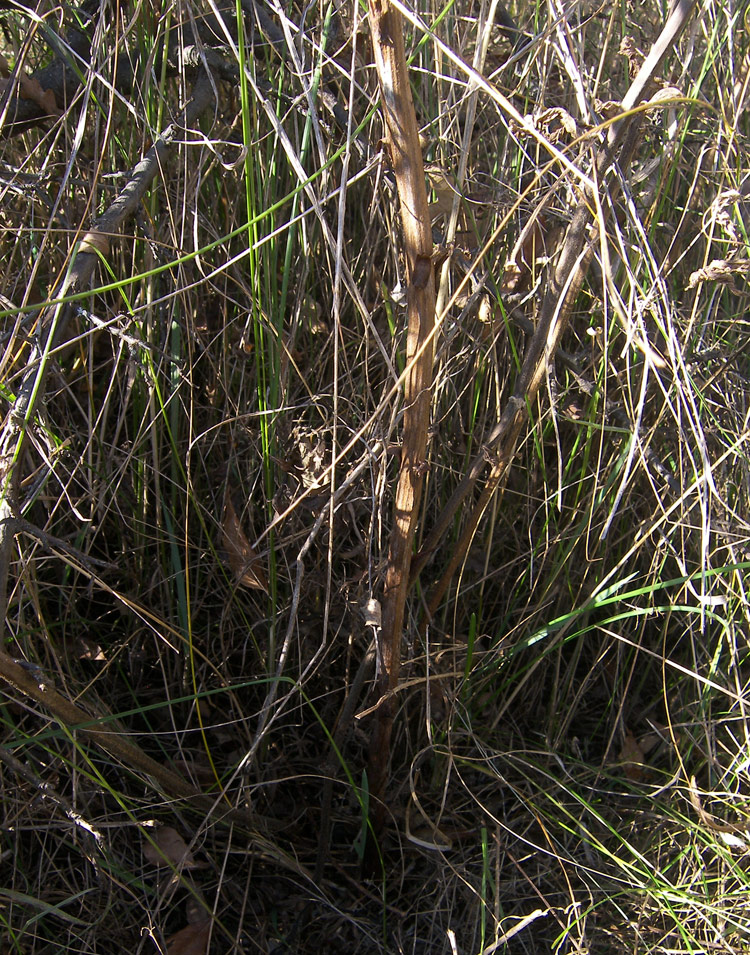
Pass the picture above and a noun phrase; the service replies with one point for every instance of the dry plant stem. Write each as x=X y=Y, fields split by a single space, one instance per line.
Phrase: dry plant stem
x=511 y=423
x=560 y=295
x=77 y=720
x=406 y=156
x=343 y=727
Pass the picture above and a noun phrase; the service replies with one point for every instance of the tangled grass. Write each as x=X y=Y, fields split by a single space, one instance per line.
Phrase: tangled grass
x=204 y=495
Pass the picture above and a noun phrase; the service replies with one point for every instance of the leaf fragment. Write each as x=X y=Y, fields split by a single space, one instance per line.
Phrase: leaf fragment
x=169 y=848
x=243 y=560
x=722 y=271
x=632 y=758
x=191 y=940
x=30 y=88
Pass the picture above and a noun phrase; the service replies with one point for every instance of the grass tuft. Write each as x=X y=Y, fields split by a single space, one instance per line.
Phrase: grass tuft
x=571 y=745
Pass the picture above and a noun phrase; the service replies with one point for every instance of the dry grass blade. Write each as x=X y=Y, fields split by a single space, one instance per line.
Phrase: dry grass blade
x=74 y=718
x=566 y=282
x=53 y=323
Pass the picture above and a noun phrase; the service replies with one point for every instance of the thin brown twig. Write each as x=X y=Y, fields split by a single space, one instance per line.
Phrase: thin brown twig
x=75 y=720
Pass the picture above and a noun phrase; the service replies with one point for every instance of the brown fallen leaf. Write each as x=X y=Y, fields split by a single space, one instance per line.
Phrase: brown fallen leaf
x=169 y=848
x=243 y=560
x=191 y=940
x=632 y=758
x=30 y=88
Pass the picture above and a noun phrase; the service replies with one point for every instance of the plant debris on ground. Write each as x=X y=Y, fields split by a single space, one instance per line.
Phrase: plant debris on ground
x=207 y=301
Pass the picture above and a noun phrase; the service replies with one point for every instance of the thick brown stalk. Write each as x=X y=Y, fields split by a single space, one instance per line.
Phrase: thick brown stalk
x=564 y=285
x=406 y=156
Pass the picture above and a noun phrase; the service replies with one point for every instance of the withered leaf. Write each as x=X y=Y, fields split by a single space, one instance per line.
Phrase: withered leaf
x=243 y=560
x=632 y=758
x=30 y=88
x=191 y=940
x=720 y=270
x=169 y=848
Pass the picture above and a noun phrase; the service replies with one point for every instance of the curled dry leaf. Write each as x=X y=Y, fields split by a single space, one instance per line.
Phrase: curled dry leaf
x=723 y=271
x=243 y=560
x=191 y=940
x=169 y=848
x=632 y=758
x=31 y=89
x=634 y=55
x=554 y=122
